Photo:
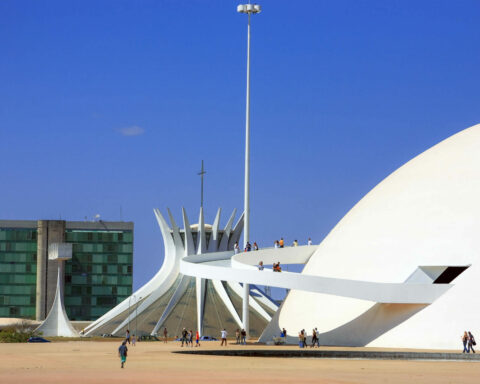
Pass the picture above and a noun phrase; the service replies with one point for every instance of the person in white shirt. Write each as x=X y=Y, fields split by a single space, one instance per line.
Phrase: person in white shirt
x=236 y=248
x=260 y=266
x=224 y=337
x=309 y=241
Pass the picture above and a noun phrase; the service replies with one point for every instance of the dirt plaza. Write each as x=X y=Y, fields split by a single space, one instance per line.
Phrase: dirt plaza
x=74 y=362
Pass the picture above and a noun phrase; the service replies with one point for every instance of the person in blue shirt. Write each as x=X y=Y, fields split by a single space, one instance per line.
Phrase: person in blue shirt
x=122 y=352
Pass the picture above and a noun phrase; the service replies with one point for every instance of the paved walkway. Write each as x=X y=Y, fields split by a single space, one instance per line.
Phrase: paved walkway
x=153 y=362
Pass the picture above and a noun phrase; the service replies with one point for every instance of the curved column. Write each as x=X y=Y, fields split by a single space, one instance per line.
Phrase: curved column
x=213 y=242
x=226 y=233
x=159 y=284
x=177 y=295
x=237 y=232
x=219 y=288
x=201 y=238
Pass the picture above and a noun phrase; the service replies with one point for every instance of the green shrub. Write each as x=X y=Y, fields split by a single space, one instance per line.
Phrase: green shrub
x=12 y=335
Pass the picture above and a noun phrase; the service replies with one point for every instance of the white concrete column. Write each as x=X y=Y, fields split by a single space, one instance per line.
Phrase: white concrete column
x=245 y=305
x=200 y=291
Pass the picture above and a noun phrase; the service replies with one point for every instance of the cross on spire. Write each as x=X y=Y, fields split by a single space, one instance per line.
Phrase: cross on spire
x=201 y=173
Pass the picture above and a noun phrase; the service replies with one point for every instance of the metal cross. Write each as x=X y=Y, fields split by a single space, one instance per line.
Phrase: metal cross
x=201 y=173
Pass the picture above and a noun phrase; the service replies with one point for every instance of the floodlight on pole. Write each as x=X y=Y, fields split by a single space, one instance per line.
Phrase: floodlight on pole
x=249 y=9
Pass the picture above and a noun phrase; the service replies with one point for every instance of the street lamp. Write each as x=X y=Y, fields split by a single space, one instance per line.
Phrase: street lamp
x=136 y=308
x=129 y=310
x=249 y=9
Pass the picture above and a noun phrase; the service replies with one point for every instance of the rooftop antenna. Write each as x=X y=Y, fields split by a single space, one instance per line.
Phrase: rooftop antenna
x=201 y=173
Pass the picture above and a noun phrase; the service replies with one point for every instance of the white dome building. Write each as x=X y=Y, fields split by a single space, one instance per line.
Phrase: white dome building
x=425 y=214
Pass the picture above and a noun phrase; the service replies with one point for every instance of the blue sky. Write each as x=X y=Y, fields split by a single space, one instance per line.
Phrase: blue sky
x=109 y=104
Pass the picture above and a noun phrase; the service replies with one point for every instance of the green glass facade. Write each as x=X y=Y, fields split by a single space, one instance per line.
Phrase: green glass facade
x=18 y=272
x=99 y=276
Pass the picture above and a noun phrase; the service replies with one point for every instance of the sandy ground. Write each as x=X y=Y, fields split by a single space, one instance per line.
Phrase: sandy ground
x=152 y=362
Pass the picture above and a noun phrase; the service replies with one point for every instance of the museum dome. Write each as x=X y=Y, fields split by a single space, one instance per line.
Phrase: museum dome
x=426 y=213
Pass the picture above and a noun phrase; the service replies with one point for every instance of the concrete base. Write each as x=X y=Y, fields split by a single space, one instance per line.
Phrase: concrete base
x=339 y=354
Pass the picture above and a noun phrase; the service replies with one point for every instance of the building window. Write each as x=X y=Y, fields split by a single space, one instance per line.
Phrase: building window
x=106 y=300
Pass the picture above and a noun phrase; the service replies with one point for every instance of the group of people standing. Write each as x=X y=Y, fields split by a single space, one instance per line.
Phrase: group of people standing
x=241 y=336
x=276 y=267
x=281 y=243
x=468 y=342
x=302 y=338
x=248 y=247
x=187 y=338
x=277 y=244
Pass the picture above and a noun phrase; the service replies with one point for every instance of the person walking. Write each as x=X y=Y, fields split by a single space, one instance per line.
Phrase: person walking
x=184 y=336
x=465 y=342
x=309 y=242
x=244 y=337
x=122 y=353
x=197 y=339
x=190 y=338
x=134 y=340
x=237 y=336
x=314 y=338
x=301 y=339
x=284 y=331
x=318 y=339
x=276 y=244
x=165 y=334
x=236 y=248
x=224 y=337
x=471 y=341
x=127 y=336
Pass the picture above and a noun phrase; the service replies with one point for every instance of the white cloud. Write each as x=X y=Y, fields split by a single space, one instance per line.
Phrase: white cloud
x=133 y=130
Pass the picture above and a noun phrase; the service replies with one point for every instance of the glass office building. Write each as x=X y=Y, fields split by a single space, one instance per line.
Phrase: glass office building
x=18 y=269
x=97 y=278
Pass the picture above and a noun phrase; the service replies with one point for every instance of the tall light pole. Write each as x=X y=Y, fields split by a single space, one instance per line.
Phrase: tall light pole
x=136 y=308
x=129 y=310
x=249 y=9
